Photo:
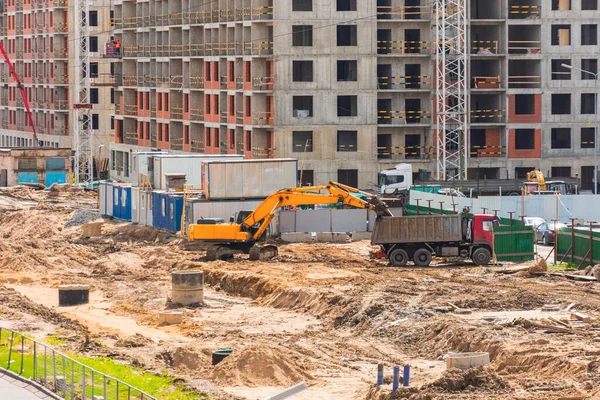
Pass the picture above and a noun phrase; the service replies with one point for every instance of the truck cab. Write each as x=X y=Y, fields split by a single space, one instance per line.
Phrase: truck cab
x=482 y=227
x=397 y=180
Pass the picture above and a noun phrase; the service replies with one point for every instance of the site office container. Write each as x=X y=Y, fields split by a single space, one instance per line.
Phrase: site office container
x=135 y=205
x=108 y=199
x=174 y=211
x=247 y=179
x=145 y=208
x=121 y=201
x=102 y=197
x=160 y=216
x=189 y=165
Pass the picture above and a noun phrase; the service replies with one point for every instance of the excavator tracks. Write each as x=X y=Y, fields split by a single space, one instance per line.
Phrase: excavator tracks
x=263 y=252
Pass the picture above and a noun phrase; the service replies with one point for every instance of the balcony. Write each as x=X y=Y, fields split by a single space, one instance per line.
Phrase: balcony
x=131 y=110
x=416 y=12
x=404 y=152
x=400 y=82
x=395 y=47
x=403 y=117
x=196 y=114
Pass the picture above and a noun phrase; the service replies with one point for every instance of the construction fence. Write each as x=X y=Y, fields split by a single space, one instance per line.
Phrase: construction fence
x=578 y=246
x=59 y=373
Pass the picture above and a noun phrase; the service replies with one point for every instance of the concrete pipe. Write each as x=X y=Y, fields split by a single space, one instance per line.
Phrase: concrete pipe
x=187 y=287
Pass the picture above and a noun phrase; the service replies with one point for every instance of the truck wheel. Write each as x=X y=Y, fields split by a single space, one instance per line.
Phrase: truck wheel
x=422 y=257
x=398 y=258
x=481 y=256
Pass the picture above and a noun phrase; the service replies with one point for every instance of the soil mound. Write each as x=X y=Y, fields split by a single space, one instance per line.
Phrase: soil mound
x=455 y=380
x=261 y=365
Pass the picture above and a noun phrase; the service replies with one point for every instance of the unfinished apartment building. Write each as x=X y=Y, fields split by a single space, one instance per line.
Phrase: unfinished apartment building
x=348 y=87
x=38 y=37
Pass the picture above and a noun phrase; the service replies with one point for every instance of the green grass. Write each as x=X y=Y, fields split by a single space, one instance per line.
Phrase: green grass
x=161 y=387
x=562 y=267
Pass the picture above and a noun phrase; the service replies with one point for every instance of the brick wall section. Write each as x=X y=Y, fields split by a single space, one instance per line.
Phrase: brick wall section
x=536 y=152
x=525 y=119
x=492 y=142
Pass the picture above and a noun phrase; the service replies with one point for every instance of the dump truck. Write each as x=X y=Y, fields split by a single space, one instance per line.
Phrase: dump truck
x=419 y=238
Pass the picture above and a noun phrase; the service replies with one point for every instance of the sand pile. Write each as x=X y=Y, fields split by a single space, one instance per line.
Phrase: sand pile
x=261 y=365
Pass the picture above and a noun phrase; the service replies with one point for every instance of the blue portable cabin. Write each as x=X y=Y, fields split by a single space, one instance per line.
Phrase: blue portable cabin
x=175 y=210
x=125 y=202
x=160 y=215
x=121 y=201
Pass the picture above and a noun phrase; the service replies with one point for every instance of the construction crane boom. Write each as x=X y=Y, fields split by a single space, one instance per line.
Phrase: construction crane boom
x=15 y=76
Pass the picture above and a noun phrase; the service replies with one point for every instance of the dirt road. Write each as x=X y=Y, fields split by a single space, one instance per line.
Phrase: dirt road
x=325 y=314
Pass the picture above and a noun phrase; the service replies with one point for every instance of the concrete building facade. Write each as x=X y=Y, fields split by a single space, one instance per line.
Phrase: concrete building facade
x=347 y=87
x=39 y=38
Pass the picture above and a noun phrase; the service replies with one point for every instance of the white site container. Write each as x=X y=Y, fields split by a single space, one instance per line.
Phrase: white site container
x=135 y=205
x=145 y=208
x=189 y=165
x=248 y=179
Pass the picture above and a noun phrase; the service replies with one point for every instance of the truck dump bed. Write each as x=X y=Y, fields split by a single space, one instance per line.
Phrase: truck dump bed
x=417 y=229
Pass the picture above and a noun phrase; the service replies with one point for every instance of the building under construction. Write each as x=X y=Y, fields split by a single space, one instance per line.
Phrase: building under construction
x=452 y=87
x=39 y=39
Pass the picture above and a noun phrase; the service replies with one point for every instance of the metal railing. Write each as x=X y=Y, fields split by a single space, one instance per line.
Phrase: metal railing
x=68 y=378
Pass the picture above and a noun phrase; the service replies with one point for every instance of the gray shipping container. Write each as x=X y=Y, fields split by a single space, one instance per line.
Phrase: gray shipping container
x=248 y=179
x=418 y=229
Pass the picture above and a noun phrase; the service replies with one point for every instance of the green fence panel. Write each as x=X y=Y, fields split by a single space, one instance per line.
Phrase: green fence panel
x=514 y=243
x=577 y=246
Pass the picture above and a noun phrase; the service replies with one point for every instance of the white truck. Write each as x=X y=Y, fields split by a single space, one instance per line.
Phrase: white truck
x=396 y=181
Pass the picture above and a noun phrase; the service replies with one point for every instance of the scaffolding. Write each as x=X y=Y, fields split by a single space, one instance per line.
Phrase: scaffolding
x=84 y=160
x=451 y=91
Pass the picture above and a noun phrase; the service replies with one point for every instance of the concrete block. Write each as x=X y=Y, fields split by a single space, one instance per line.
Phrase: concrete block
x=170 y=317
x=296 y=237
x=91 y=229
x=72 y=295
x=331 y=237
x=358 y=236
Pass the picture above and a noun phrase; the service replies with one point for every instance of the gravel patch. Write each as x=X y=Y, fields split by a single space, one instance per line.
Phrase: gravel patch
x=82 y=216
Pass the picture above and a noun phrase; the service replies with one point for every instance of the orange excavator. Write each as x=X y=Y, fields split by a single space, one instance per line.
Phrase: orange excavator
x=243 y=236
x=13 y=73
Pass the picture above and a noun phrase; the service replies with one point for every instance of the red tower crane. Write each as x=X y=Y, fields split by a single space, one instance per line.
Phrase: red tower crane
x=13 y=72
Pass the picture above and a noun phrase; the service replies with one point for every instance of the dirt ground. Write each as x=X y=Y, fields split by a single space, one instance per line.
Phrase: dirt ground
x=321 y=313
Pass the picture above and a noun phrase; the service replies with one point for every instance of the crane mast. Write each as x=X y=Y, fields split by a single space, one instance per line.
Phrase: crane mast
x=84 y=158
x=451 y=90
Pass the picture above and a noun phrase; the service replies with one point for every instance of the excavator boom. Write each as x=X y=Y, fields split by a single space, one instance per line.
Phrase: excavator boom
x=243 y=236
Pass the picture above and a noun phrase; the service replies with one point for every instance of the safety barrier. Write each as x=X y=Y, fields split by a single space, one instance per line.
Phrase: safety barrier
x=59 y=373
x=524 y=46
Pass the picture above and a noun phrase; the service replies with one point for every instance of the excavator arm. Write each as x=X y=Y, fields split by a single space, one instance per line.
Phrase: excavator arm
x=13 y=73
x=338 y=193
